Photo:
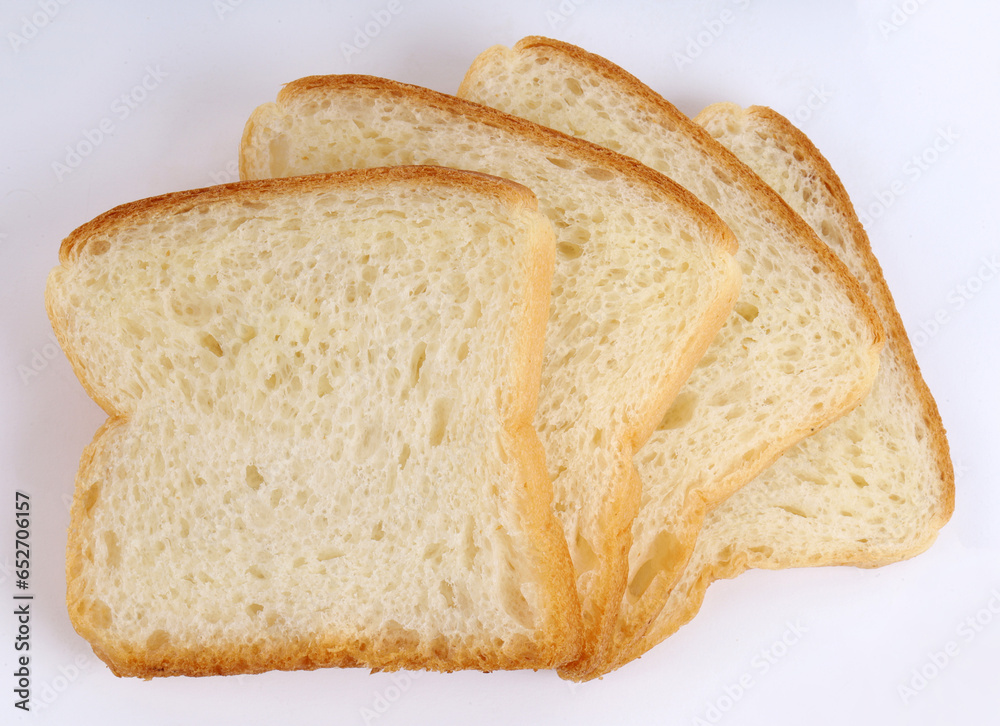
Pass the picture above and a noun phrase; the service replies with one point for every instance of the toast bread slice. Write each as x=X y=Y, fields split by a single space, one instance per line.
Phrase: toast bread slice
x=800 y=349
x=319 y=448
x=644 y=278
x=871 y=489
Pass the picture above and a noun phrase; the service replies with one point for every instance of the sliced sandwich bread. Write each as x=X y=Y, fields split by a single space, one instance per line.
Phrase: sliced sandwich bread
x=644 y=278
x=800 y=349
x=873 y=488
x=319 y=448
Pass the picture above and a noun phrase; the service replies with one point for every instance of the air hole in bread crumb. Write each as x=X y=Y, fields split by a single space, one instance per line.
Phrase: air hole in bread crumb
x=569 y=250
x=439 y=420
x=404 y=455
x=417 y=362
x=474 y=314
x=254 y=609
x=747 y=311
x=98 y=246
x=517 y=606
x=253 y=477
x=255 y=571
x=111 y=544
x=134 y=329
x=448 y=593
x=157 y=640
x=90 y=498
x=207 y=340
x=794 y=510
x=470 y=549
x=680 y=412
x=859 y=481
x=710 y=192
x=434 y=551
x=662 y=556
x=100 y=615
x=598 y=174
x=574 y=86
x=584 y=557
x=377 y=532
x=330 y=553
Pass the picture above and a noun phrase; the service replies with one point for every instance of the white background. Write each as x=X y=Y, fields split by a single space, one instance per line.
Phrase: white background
x=874 y=83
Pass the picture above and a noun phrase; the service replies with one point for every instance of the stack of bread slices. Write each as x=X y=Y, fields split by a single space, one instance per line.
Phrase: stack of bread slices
x=495 y=380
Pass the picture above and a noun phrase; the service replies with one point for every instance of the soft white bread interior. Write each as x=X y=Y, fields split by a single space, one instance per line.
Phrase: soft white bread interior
x=319 y=447
x=644 y=278
x=800 y=349
x=877 y=485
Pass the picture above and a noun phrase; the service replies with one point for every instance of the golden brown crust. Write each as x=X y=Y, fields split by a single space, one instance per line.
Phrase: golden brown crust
x=304 y=89
x=622 y=512
x=776 y=208
x=252 y=190
x=536 y=493
x=788 y=137
x=559 y=638
x=661 y=111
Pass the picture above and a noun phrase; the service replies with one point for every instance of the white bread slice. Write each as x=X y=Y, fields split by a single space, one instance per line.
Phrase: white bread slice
x=319 y=448
x=877 y=485
x=644 y=278
x=800 y=349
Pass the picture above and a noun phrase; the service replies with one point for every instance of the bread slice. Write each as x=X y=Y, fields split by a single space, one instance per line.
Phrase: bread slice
x=644 y=277
x=319 y=448
x=873 y=488
x=800 y=349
